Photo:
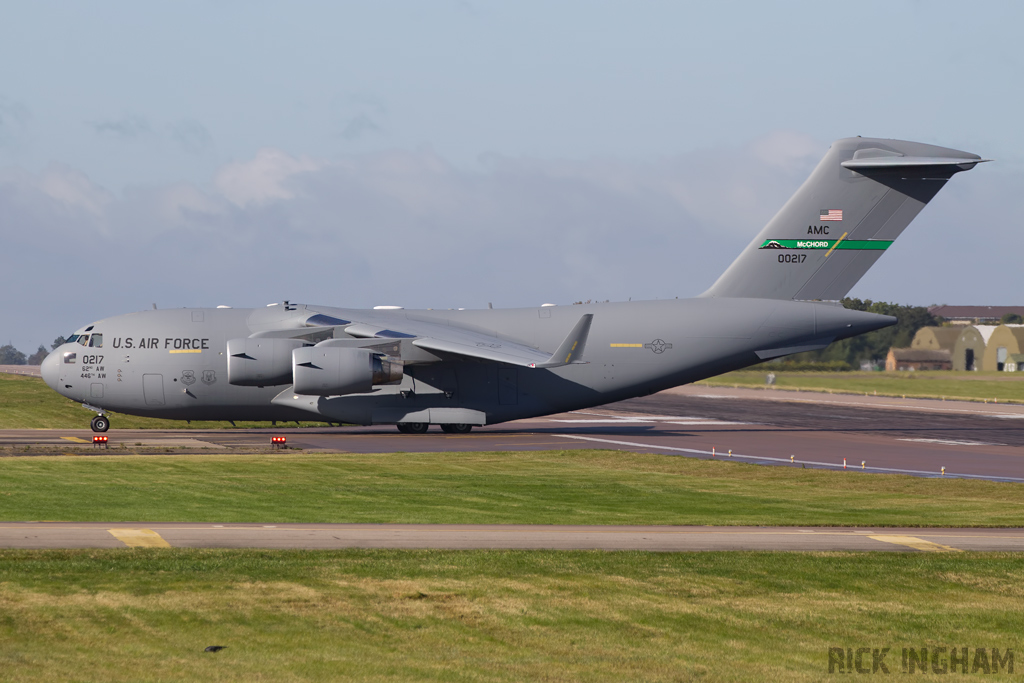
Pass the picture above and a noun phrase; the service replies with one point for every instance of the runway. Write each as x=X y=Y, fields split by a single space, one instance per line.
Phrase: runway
x=788 y=429
x=40 y=535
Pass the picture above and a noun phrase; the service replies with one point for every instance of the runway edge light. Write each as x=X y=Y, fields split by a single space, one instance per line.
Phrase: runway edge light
x=278 y=442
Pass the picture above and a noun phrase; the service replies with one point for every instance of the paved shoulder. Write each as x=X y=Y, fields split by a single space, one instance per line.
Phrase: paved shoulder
x=32 y=370
x=486 y=536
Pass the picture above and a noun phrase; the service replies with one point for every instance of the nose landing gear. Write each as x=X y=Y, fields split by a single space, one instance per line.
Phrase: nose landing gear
x=100 y=423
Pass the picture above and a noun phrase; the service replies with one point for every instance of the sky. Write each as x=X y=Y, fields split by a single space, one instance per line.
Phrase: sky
x=461 y=153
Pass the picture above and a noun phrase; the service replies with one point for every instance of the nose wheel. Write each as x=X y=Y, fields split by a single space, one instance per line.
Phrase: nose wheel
x=100 y=423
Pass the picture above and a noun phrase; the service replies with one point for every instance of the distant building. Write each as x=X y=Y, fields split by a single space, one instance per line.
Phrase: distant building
x=918 y=359
x=969 y=350
x=972 y=315
x=1014 y=363
x=936 y=338
x=1006 y=341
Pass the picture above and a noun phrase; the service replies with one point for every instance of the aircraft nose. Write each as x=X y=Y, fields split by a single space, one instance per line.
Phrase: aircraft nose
x=50 y=369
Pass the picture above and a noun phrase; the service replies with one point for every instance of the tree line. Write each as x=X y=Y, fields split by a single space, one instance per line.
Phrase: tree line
x=12 y=356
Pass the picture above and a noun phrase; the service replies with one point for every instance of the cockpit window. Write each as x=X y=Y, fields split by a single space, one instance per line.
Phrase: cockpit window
x=83 y=339
x=96 y=341
x=70 y=357
x=73 y=338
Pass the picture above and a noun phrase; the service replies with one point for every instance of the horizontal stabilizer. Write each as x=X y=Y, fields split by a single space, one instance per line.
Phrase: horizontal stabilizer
x=894 y=162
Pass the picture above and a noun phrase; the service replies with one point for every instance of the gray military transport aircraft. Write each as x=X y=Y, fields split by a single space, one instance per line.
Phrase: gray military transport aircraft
x=459 y=368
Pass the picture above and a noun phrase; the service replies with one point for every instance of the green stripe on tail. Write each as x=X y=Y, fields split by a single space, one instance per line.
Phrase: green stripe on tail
x=856 y=245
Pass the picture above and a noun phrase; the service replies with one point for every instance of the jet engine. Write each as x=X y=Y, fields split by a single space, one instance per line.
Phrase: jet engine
x=334 y=370
x=258 y=362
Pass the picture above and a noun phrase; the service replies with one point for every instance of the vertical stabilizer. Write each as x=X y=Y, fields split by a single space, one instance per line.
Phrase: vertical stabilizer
x=841 y=220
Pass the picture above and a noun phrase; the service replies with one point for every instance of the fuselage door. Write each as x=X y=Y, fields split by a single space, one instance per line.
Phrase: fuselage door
x=153 y=389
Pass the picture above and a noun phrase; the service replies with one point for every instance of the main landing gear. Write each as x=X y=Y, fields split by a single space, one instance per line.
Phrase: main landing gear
x=456 y=429
x=413 y=427
x=422 y=427
x=100 y=423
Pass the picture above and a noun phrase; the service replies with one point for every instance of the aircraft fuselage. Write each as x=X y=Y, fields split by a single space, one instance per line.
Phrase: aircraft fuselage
x=174 y=363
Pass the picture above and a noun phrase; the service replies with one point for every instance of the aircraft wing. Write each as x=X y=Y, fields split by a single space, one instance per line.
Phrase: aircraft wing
x=472 y=344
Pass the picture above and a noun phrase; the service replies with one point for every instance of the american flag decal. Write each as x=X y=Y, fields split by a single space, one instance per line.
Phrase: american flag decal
x=830 y=215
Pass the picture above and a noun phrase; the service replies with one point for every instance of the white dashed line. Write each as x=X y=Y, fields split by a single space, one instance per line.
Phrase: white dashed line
x=736 y=456
x=953 y=442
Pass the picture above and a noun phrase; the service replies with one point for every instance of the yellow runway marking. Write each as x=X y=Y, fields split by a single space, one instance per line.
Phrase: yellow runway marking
x=917 y=544
x=139 y=538
x=75 y=439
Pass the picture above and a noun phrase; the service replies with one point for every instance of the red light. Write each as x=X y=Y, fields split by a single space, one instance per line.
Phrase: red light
x=99 y=439
x=278 y=441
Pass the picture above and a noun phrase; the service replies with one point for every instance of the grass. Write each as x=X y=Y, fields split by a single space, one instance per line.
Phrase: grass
x=146 y=615
x=552 y=487
x=962 y=386
x=27 y=403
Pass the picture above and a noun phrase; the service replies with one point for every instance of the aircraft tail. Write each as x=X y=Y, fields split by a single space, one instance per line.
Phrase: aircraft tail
x=841 y=220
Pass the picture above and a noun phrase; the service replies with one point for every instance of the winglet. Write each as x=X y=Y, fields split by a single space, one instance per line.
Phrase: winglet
x=571 y=348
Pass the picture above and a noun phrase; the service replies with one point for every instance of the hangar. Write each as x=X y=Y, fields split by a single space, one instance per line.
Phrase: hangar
x=936 y=338
x=969 y=350
x=1006 y=340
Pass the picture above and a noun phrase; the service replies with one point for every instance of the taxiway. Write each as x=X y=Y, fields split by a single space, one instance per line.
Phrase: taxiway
x=788 y=429
x=40 y=535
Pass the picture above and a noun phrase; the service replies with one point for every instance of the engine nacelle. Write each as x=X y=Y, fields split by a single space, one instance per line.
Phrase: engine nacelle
x=334 y=370
x=263 y=361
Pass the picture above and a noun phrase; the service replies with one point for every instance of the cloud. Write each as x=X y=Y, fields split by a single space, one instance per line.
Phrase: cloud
x=359 y=126
x=127 y=128
x=74 y=190
x=407 y=227
x=263 y=179
x=191 y=136
x=14 y=121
